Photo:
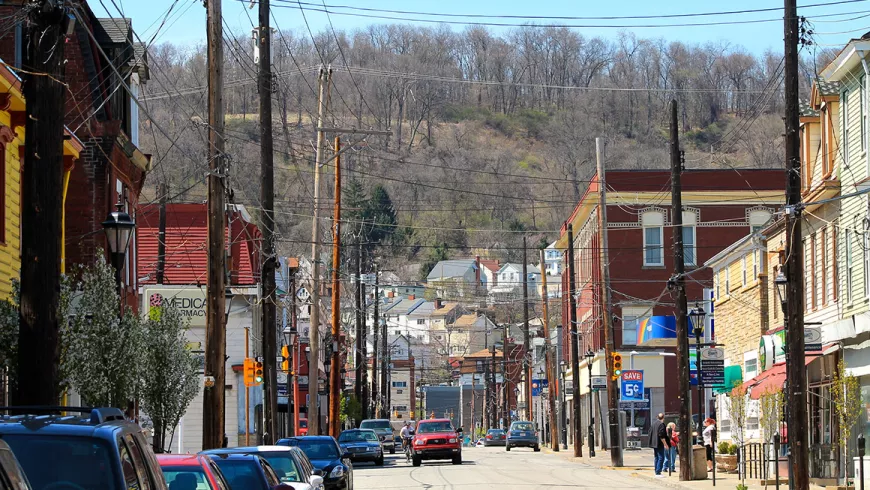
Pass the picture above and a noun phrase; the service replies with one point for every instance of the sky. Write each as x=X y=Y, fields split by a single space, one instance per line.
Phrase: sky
x=833 y=24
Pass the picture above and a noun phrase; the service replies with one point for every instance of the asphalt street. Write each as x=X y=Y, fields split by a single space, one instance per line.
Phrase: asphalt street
x=492 y=468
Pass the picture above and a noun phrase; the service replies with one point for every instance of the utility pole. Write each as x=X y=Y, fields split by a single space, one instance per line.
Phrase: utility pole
x=678 y=283
x=364 y=369
x=385 y=387
x=548 y=357
x=527 y=365
x=376 y=320
x=575 y=354
x=335 y=363
x=42 y=208
x=487 y=393
x=504 y=381
x=606 y=322
x=359 y=365
x=795 y=371
x=161 y=233
x=493 y=410
x=216 y=330
x=314 y=335
x=296 y=353
x=267 y=200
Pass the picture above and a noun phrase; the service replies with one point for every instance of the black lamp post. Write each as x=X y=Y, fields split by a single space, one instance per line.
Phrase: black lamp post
x=119 y=228
x=697 y=315
x=589 y=357
x=563 y=366
x=781 y=283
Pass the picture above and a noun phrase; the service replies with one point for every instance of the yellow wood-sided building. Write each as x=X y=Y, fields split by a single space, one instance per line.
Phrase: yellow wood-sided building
x=12 y=139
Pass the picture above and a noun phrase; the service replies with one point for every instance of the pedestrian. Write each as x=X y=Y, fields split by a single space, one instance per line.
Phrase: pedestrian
x=674 y=439
x=709 y=429
x=658 y=441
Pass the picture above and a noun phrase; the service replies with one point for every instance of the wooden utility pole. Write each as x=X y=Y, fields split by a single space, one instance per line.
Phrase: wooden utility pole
x=385 y=370
x=548 y=357
x=161 y=233
x=42 y=208
x=376 y=320
x=268 y=260
x=506 y=415
x=296 y=353
x=359 y=359
x=216 y=331
x=314 y=334
x=678 y=284
x=796 y=398
x=335 y=362
x=363 y=381
x=575 y=350
x=527 y=356
x=493 y=410
x=606 y=322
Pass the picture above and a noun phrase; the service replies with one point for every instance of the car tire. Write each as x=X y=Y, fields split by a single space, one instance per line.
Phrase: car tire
x=379 y=461
x=416 y=461
x=393 y=450
x=537 y=448
x=507 y=447
x=457 y=459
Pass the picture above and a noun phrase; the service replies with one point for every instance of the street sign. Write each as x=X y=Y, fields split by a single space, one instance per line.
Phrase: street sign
x=537 y=385
x=282 y=389
x=713 y=369
x=599 y=382
x=637 y=405
x=712 y=354
x=812 y=339
x=632 y=385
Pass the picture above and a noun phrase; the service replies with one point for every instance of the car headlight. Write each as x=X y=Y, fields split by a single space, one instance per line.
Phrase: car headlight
x=452 y=440
x=371 y=449
x=419 y=442
x=337 y=472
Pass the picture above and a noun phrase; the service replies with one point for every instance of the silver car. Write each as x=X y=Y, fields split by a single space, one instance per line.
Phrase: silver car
x=384 y=431
x=522 y=434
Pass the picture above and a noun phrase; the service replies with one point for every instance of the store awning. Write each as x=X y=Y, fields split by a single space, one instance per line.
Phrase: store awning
x=733 y=378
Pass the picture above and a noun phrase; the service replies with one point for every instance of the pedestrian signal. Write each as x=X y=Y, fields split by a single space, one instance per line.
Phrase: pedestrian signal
x=285 y=359
x=258 y=373
x=249 y=372
x=616 y=371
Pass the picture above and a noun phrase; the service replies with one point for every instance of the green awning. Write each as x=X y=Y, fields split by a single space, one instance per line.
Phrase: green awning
x=733 y=377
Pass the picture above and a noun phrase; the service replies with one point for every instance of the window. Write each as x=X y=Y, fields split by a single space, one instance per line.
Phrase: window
x=835 y=270
x=400 y=384
x=863 y=111
x=728 y=280
x=866 y=251
x=421 y=321
x=139 y=461
x=130 y=477
x=632 y=317
x=400 y=408
x=824 y=254
x=690 y=221
x=751 y=423
x=847 y=293
x=653 y=248
x=743 y=269
x=845 y=106
x=750 y=364
x=813 y=282
x=755 y=264
x=716 y=284
x=774 y=294
x=758 y=219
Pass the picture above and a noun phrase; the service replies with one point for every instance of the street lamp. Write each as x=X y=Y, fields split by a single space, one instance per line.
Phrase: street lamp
x=697 y=315
x=781 y=283
x=589 y=357
x=119 y=228
x=563 y=368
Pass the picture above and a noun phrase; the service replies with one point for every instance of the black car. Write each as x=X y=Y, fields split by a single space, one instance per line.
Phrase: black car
x=363 y=445
x=494 y=437
x=101 y=450
x=248 y=472
x=289 y=463
x=11 y=473
x=327 y=456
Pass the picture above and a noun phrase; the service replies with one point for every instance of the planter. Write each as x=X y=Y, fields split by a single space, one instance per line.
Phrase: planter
x=726 y=463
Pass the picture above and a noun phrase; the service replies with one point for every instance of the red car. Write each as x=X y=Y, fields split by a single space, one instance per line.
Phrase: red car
x=303 y=427
x=436 y=439
x=191 y=471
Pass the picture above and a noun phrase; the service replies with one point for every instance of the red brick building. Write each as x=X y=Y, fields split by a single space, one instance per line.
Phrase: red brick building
x=719 y=208
x=104 y=116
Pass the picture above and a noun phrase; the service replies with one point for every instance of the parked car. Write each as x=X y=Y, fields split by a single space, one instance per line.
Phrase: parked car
x=249 y=472
x=384 y=431
x=435 y=439
x=522 y=434
x=327 y=456
x=100 y=450
x=289 y=463
x=11 y=474
x=191 y=471
x=363 y=445
x=303 y=427
x=494 y=437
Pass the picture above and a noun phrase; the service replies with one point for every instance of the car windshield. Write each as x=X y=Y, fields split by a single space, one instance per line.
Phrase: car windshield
x=240 y=473
x=317 y=449
x=496 y=432
x=82 y=462
x=303 y=424
x=522 y=426
x=375 y=424
x=358 y=436
x=431 y=427
x=284 y=465
x=185 y=477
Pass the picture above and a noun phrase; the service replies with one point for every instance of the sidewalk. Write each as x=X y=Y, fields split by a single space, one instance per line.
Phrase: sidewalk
x=640 y=465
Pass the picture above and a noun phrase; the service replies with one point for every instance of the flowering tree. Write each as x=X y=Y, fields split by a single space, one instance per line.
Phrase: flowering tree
x=102 y=349
x=171 y=381
x=846 y=396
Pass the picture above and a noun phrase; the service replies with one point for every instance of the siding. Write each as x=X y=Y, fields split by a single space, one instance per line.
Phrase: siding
x=10 y=251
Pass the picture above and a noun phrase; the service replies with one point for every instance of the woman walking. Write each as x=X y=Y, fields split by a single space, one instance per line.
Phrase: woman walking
x=674 y=438
x=708 y=434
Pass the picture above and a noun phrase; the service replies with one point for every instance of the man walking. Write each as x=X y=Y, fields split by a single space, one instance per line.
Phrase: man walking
x=658 y=440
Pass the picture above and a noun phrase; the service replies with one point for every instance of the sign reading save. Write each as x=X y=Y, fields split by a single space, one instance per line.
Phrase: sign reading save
x=632 y=385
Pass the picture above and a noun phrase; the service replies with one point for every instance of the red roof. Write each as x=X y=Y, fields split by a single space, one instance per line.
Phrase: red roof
x=186 y=240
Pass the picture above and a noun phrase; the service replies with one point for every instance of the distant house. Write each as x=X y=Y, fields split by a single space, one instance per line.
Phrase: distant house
x=489 y=273
x=454 y=278
x=510 y=282
x=552 y=260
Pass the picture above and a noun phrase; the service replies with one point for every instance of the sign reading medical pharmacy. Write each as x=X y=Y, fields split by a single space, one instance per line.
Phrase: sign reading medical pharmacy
x=632 y=385
x=190 y=302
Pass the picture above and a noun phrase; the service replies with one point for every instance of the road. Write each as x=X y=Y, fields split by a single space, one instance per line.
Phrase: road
x=492 y=468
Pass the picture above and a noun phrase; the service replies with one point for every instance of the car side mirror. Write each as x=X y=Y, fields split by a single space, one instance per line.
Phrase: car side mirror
x=345 y=455
x=317 y=472
x=315 y=481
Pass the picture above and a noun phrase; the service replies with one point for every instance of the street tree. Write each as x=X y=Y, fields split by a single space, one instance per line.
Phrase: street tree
x=171 y=380
x=102 y=346
x=737 y=412
x=771 y=404
x=846 y=398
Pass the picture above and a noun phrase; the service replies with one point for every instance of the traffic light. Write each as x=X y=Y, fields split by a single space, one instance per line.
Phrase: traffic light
x=617 y=365
x=258 y=373
x=285 y=356
x=249 y=371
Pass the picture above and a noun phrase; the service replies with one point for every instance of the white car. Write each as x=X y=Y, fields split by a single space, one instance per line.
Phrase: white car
x=290 y=464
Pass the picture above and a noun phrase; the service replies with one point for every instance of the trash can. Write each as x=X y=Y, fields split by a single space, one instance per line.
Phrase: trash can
x=699 y=463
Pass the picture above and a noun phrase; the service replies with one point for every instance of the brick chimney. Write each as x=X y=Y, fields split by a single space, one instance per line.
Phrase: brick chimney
x=412 y=297
x=438 y=304
x=390 y=294
x=477 y=271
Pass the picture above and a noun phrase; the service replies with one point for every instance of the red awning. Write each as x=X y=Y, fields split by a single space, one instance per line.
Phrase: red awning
x=773 y=379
